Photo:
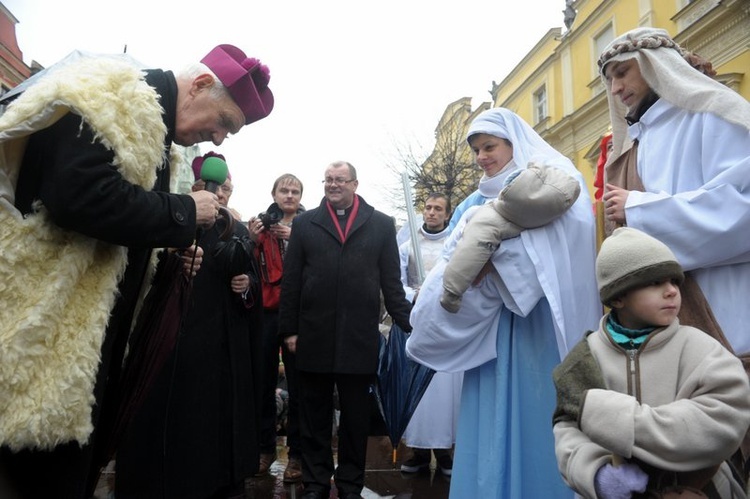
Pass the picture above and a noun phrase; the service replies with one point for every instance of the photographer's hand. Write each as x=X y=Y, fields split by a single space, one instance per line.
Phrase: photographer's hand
x=255 y=227
x=281 y=231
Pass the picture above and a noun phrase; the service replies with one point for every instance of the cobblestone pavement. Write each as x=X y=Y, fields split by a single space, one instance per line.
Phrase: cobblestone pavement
x=383 y=478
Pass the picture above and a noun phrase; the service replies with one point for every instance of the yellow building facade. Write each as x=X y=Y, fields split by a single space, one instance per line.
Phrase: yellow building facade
x=556 y=87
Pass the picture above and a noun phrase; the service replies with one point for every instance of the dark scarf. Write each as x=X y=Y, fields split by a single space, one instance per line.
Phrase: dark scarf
x=643 y=106
x=430 y=231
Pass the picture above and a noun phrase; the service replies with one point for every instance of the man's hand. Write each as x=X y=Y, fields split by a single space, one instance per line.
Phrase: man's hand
x=255 y=227
x=614 y=203
x=291 y=343
x=206 y=208
x=240 y=283
x=281 y=231
x=190 y=266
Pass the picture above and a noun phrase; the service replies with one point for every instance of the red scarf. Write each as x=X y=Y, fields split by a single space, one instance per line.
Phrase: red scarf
x=352 y=216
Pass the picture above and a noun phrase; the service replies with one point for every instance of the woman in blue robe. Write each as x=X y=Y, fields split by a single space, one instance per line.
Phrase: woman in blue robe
x=535 y=298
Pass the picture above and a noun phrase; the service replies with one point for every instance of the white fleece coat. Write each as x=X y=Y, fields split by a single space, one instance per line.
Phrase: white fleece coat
x=680 y=403
x=57 y=287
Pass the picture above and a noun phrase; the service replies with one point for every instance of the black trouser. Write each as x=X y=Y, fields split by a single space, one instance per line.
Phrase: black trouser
x=316 y=416
x=271 y=344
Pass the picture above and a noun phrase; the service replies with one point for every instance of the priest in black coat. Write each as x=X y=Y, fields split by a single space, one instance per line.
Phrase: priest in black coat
x=341 y=257
x=196 y=435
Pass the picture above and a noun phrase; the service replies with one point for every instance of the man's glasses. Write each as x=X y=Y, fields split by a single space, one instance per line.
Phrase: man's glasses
x=337 y=181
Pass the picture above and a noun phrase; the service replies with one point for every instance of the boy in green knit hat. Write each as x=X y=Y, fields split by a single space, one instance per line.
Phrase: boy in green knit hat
x=643 y=402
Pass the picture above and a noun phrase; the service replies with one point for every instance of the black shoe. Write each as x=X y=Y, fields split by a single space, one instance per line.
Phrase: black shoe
x=314 y=494
x=444 y=461
x=351 y=495
x=419 y=461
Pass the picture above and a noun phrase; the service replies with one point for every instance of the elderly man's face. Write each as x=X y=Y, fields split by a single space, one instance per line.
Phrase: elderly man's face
x=627 y=83
x=203 y=117
x=223 y=192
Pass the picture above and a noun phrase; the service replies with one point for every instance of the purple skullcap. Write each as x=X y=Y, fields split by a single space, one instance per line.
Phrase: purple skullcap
x=198 y=164
x=245 y=78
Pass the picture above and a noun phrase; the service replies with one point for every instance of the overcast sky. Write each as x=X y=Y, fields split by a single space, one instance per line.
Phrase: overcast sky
x=352 y=80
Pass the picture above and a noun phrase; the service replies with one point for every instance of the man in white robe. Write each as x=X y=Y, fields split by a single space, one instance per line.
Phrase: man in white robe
x=433 y=424
x=693 y=160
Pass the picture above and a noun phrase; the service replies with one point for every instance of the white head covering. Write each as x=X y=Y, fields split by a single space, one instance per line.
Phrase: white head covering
x=528 y=146
x=663 y=66
x=505 y=124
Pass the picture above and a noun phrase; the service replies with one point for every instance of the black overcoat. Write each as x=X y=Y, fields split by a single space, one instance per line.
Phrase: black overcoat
x=197 y=432
x=330 y=294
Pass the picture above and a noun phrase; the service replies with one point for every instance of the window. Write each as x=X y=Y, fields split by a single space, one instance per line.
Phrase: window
x=601 y=40
x=540 y=104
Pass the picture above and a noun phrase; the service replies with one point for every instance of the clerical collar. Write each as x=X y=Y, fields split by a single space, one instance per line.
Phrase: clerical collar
x=348 y=214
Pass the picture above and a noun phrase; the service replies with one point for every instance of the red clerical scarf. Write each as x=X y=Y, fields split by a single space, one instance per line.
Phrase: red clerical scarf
x=352 y=216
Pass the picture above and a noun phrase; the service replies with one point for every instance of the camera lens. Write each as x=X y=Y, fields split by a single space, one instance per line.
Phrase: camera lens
x=272 y=216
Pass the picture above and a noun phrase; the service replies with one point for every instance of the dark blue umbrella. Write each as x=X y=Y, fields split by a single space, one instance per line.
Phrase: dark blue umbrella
x=400 y=385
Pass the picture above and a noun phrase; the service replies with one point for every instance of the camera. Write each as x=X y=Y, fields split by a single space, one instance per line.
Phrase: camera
x=271 y=216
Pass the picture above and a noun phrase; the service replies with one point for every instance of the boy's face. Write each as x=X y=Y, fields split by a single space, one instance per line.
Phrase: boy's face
x=654 y=305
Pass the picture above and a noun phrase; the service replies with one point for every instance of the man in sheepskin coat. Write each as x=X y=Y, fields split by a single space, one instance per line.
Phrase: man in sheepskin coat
x=84 y=181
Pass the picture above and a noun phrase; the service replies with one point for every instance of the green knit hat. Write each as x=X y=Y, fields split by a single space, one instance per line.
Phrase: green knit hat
x=630 y=259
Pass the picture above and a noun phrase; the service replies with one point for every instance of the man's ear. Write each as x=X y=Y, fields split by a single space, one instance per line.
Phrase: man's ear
x=202 y=82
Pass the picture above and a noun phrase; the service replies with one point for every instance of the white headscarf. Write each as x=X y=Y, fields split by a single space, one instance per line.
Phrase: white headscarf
x=505 y=124
x=663 y=66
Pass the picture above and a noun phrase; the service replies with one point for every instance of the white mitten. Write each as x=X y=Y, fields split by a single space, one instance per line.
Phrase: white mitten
x=619 y=482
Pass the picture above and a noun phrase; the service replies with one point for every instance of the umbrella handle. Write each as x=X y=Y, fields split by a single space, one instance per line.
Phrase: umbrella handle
x=229 y=229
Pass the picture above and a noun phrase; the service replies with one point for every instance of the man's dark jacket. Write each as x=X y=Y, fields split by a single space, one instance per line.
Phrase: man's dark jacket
x=330 y=295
